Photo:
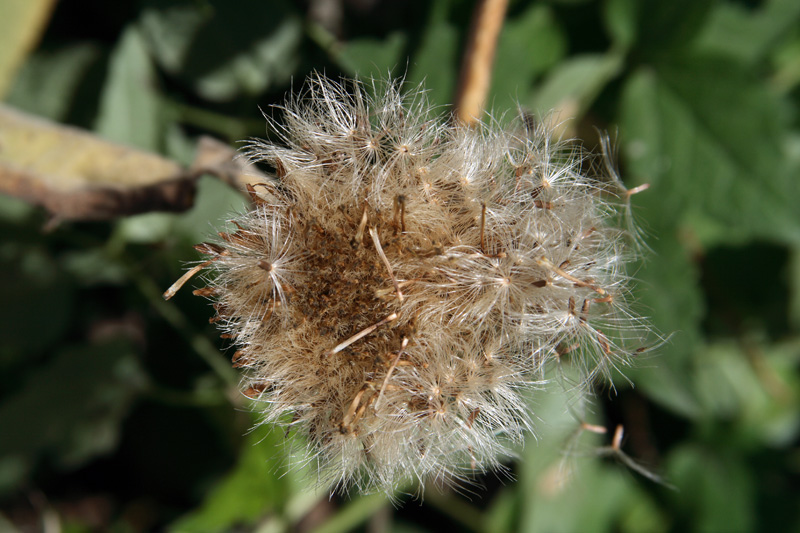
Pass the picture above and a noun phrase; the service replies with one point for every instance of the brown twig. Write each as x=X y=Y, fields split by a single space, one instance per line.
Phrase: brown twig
x=476 y=68
x=78 y=176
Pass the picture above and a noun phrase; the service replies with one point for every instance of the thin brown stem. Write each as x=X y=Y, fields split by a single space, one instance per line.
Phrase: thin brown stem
x=360 y=335
x=374 y=234
x=361 y=226
x=476 y=67
x=483 y=225
x=169 y=293
x=391 y=369
x=544 y=262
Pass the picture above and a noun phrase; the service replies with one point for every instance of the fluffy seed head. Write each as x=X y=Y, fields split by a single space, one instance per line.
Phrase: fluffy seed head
x=402 y=281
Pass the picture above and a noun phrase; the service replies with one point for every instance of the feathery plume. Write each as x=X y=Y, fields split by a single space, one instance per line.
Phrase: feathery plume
x=403 y=281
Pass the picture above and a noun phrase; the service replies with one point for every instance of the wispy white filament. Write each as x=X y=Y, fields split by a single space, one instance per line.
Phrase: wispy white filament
x=491 y=254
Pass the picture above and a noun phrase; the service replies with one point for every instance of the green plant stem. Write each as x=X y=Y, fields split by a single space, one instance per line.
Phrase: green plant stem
x=169 y=396
x=456 y=509
x=353 y=514
x=232 y=128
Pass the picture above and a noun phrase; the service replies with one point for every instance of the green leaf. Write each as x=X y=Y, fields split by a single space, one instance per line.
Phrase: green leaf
x=367 y=57
x=794 y=284
x=225 y=49
x=642 y=515
x=355 y=513
x=47 y=82
x=253 y=490
x=501 y=515
x=604 y=494
x=756 y=30
x=574 y=84
x=268 y=62
x=20 y=27
x=710 y=140
x=435 y=60
x=14 y=211
x=170 y=28
x=93 y=266
x=725 y=383
x=787 y=64
x=71 y=409
x=750 y=388
x=715 y=490
x=529 y=44
x=558 y=471
x=620 y=18
x=667 y=293
x=213 y=207
x=130 y=110
x=653 y=27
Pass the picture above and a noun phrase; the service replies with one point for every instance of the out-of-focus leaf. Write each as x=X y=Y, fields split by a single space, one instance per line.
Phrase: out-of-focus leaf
x=749 y=33
x=403 y=527
x=779 y=423
x=170 y=28
x=558 y=472
x=604 y=494
x=213 y=207
x=752 y=389
x=642 y=515
x=147 y=228
x=37 y=300
x=725 y=383
x=620 y=18
x=529 y=44
x=71 y=409
x=13 y=210
x=269 y=62
x=178 y=146
x=93 y=266
x=794 y=283
x=710 y=141
x=253 y=490
x=368 y=58
x=667 y=294
x=20 y=27
x=501 y=516
x=715 y=490
x=653 y=27
x=787 y=65
x=47 y=82
x=573 y=85
x=435 y=60
x=130 y=109
x=355 y=513
x=225 y=49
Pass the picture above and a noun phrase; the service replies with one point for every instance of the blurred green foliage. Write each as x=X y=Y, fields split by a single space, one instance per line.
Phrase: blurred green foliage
x=118 y=411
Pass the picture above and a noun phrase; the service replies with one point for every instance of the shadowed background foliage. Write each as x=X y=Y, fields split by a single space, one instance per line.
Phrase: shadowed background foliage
x=119 y=411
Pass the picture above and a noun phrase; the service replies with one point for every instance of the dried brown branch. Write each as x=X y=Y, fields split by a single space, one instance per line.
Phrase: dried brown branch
x=78 y=176
x=476 y=67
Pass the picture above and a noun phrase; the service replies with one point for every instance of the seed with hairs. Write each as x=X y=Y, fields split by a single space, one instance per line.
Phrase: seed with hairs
x=402 y=283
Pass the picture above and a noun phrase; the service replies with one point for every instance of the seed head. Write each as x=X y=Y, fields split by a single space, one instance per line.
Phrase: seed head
x=402 y=282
